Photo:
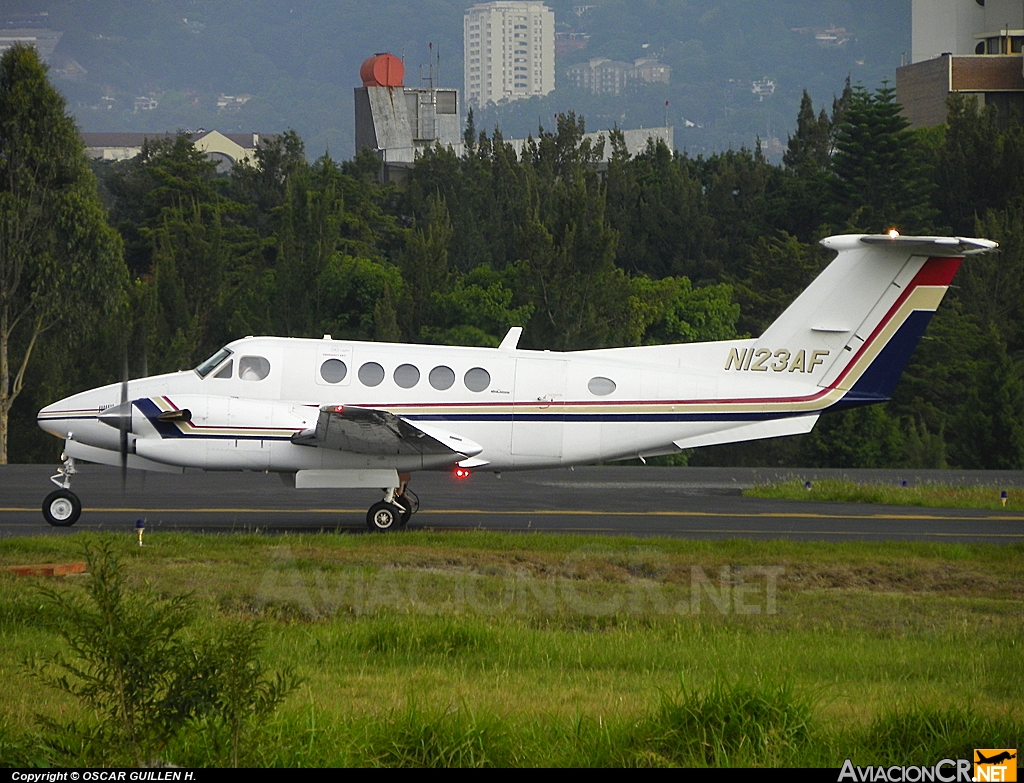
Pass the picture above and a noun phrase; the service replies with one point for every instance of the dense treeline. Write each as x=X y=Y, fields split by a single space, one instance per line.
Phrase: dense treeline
x=659 y=247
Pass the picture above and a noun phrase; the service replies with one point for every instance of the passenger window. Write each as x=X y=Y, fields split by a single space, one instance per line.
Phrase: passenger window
x=333 y=370
x=371 y=374
x=253 y=368
x=477 y=379
x=407 y=376
x=441 y=378
x=601 y=386
x=225 y=371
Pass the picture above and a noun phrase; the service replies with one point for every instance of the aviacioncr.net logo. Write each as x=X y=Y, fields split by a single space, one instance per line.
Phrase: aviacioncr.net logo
x=945 y=771
x=996 y=765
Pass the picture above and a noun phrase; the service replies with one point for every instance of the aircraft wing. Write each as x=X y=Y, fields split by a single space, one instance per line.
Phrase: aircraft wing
x=373 y=431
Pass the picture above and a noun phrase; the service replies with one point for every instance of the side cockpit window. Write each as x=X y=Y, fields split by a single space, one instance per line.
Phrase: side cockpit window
x=253 y=368
x=225 y=371
x=213 y=362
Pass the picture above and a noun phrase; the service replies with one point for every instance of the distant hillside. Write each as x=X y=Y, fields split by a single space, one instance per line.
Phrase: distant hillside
x=273 y=65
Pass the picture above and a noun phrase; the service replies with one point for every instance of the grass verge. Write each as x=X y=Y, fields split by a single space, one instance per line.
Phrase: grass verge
x=485 y=649
x=930 y=495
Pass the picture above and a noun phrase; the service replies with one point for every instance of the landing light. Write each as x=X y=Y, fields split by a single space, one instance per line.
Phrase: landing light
x=893 y=233
x=461 y=473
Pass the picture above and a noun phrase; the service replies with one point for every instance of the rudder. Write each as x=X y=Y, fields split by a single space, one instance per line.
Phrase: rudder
x=865 y=313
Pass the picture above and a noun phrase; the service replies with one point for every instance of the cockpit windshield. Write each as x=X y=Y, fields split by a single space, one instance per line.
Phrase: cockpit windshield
x=210 y=364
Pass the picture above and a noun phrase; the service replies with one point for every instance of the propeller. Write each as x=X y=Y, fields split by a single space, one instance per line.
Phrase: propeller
x=145 y=374
x=124 y=422
x=120 y=418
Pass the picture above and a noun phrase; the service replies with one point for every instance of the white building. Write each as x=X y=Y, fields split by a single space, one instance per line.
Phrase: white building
x=966 y=47
x=225 y=149
x=965 y=27
x=510 y=51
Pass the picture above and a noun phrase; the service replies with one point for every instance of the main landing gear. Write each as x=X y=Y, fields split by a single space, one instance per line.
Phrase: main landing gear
x=62 y=507
x=395 y=510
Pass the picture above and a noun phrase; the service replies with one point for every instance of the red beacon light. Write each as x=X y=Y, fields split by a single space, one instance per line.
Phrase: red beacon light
x=461 y=473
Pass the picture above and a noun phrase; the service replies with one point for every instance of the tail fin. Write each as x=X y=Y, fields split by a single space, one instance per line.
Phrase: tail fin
x=854 y=328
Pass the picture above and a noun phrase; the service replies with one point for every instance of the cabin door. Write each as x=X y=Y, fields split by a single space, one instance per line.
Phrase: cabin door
x=537 y=410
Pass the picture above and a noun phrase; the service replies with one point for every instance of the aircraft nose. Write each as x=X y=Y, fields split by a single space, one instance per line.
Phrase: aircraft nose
x=55 y=419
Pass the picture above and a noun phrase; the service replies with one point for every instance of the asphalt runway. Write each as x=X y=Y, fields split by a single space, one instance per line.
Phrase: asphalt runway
x=636 y=501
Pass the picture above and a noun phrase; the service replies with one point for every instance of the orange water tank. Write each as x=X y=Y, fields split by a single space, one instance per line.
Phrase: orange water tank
x=382 y=70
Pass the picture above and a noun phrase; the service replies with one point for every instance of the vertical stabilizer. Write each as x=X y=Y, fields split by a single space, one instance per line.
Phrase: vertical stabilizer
x=855 y=327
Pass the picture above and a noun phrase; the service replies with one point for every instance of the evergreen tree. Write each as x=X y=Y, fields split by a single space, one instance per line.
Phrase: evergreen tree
x=862 y=438
x=656 y=204
x=777 y=269
x=968 y=172
x=811 y=145
x=882 y=180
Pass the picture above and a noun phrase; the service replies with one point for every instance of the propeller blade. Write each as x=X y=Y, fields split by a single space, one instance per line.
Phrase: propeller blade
x=125 y=422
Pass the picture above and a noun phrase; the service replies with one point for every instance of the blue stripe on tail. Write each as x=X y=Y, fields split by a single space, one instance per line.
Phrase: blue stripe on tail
x=882 y=375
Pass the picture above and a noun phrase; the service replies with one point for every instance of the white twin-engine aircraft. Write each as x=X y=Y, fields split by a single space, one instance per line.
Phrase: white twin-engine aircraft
x=341 y=414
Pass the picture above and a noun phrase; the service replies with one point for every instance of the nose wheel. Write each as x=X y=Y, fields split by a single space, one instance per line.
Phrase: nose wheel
x=62 y=508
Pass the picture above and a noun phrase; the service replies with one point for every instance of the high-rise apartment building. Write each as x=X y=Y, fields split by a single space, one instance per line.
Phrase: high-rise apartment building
x=965 y=27
x=510 y=51
x=967 y=47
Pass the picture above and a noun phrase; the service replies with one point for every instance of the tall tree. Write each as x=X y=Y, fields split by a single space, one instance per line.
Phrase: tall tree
x=60 y=264
x=882 y=179
x=811 y=145
x=969 y=171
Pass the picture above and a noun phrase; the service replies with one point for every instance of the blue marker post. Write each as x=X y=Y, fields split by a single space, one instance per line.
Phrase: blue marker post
x=1002 y=496
x=807 y=486
x=140 y=527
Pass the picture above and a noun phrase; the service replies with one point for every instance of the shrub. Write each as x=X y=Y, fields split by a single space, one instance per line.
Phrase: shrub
x=144 y=679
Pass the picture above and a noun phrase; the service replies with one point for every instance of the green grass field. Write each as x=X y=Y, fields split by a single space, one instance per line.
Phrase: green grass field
x=441 y=649
x=930 y=495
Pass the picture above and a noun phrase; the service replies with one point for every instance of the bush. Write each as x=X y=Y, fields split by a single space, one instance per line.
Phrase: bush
x=130 y=660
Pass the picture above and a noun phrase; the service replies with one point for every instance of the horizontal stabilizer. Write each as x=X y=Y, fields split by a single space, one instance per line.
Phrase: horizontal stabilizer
x=932 y=246
x=776 y=428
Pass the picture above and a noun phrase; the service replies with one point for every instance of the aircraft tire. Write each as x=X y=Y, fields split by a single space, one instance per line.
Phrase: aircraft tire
x=383 y=517
x=410 y=504
x=62 y=508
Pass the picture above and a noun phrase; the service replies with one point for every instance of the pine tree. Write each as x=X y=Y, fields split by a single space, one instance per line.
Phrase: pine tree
x=811 y=145
x=882 y=180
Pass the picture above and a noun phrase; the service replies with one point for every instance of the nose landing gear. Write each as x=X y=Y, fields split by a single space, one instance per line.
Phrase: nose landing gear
x=395 y=510
x=62 y=507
